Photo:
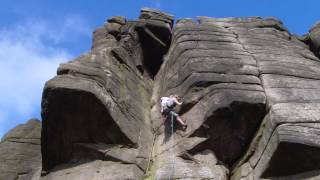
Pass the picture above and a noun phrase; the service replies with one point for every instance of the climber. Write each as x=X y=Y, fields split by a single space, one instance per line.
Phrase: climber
x=167 y=108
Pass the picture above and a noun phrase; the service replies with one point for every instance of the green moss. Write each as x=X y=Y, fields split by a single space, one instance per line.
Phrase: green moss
x=151 y=173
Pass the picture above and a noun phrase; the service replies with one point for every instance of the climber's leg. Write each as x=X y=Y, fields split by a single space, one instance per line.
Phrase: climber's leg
x=182 y=122
x=178 y=118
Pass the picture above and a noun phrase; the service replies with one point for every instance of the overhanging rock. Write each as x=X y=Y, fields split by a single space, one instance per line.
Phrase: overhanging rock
x=287 y=143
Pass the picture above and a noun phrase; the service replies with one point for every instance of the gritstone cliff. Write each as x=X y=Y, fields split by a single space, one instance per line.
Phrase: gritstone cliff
x=251 y=93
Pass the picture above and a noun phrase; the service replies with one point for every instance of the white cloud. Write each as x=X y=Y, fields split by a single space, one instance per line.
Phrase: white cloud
x=29 y=55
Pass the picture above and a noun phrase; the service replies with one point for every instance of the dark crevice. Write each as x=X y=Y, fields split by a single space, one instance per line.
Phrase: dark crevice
x=188 y=157
x=155 y=41
x=229 y=130
x=297 y=158
x=70 y=117
x=15 y=141
x=316 y=51
x=23 y=173
x=314 y=48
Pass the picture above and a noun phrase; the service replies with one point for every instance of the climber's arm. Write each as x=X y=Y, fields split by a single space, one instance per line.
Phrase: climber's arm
x=177 y=102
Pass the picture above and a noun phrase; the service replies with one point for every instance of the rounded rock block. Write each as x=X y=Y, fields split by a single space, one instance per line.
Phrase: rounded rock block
x=314 y=35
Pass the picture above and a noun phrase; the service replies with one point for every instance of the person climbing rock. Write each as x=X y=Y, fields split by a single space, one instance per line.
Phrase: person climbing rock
x=167 y=108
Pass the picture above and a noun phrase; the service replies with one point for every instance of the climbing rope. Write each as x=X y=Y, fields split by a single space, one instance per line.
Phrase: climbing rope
x=172 y=149
x=171 y=175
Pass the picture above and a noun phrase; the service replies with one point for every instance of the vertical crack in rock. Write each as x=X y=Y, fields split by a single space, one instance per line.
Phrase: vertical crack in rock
x=154 y=29
x=96 y=111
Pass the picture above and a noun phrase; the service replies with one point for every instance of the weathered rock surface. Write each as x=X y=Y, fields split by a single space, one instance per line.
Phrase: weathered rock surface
x=232 y=73
x=224 y=100
x=97 y=170
x=314 y=39
x=98 y=107
x=251 y=93
x=20 y=156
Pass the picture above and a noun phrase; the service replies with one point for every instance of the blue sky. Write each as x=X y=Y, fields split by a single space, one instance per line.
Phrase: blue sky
x=37 y=35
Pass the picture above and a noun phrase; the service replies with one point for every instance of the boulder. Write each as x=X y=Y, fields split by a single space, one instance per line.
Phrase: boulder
x=20 y=154
x=114 y=24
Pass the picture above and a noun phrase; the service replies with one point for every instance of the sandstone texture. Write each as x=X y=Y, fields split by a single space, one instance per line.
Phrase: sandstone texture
x=251 y=99
x=20 y=155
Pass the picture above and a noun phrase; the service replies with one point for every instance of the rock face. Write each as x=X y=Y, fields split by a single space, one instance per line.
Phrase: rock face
x=20 y=156
x=251 y=93
x=98 y=107
x=314 y=39
x=250 y=90
x=233 y=73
